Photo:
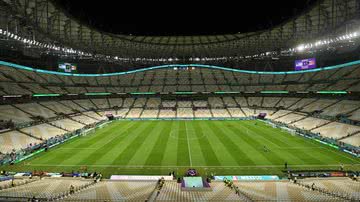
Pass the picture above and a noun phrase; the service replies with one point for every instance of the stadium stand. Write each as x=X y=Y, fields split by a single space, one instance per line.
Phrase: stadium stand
x=116 y=191
x=279 y=191
x=15 y=140
x=172 y=192
x=45 y=188
x=341 y=185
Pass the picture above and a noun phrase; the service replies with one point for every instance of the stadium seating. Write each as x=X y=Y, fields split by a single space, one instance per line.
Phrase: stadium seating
x=353 y=140
x=44 y=131
x=220 y=113
x=310 y=123
x=165 y=113
x=184 y=113
x=289 y=118
x=202 y=113
x=336 y=130
x=342 y=107
x=68 y=124
x=171 y=191
x=8 y=112
x=343 y=185
x=84 y=119
x=101 y=103
x=236 y=112
x=36 y=110
x=279 y=191
x=150 y=113
x=15 y=140
x=134 y=113
x=116 y=191
x=57 y=107
x=45 y=188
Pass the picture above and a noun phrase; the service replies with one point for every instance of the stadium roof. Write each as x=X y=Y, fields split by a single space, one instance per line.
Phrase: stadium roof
x=43 y=21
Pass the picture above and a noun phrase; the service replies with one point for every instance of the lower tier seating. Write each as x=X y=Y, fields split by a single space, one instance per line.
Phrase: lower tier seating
x=15 y=140
x=171 y=191
x=116 y=191
x=279 y=191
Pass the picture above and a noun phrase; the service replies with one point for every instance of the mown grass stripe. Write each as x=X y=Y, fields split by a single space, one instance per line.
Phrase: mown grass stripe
x=250 y=147
x=90 y=158
x=207 y=151
x=241 y=156
x=125 y=156
x=158 y=150
x=59 y=157
x=183 y=150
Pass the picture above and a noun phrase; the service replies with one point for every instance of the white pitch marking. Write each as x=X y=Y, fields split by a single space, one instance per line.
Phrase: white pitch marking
x=187 y=137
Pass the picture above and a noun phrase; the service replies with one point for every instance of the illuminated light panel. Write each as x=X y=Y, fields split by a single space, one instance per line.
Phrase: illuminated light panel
x=97 y=93
x=274 y=91
x=224 y=92
x=332 y=92
x=184 y=93
x=46 y=95
x=143 y=93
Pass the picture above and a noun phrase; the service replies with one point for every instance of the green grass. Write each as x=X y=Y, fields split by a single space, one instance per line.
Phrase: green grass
x=159 y=147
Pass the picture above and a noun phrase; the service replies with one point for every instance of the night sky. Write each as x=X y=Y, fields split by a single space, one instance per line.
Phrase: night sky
x=174 y=17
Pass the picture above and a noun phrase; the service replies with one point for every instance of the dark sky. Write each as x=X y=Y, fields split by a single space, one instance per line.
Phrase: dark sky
x=175 y=17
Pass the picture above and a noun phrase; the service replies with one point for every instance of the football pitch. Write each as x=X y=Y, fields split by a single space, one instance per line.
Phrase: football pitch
x=217 y=147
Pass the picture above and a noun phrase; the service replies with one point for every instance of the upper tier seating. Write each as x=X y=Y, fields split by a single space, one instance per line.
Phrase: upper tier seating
x=270 y=101
x=58 y=107
x=72 y=105
x=101 y=103
x=318 y=105
x=36 y=110
x=342 y=107
x=8 y=112
x=115 y=102
x=86 y=104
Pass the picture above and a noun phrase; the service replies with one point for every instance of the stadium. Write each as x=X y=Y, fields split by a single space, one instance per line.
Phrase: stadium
x=266 y=115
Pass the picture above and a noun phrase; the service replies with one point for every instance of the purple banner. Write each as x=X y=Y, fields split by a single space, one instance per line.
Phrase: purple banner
x=305 y=64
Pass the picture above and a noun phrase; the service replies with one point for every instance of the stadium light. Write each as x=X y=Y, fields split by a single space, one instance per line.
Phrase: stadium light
x=300 y=47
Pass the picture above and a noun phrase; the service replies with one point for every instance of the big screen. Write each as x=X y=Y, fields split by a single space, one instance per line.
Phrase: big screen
x=304 y=64
x=67 y=67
